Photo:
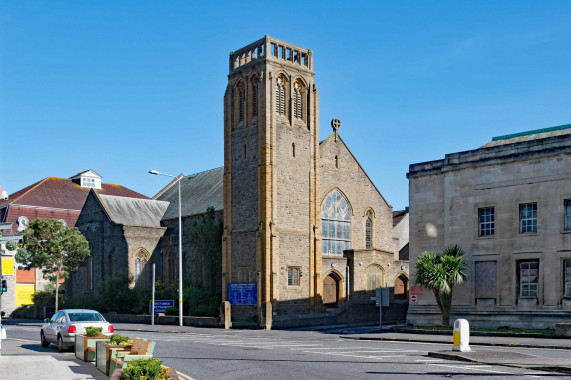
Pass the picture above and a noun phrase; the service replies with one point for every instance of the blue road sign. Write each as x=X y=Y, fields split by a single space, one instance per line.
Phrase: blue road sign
x=160 y=306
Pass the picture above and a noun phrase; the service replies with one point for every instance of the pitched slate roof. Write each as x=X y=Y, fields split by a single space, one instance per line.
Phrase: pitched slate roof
x=63 y=193
x=397 y=216
x=133 y=211
x=198 y=191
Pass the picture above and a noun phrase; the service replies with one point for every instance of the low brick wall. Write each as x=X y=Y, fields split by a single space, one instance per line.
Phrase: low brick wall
x=563 y=330
x=353 y=313
x=163 y=320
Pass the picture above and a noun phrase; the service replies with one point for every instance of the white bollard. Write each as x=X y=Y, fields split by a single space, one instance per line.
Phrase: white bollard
x=461 y=335
x=2 y=332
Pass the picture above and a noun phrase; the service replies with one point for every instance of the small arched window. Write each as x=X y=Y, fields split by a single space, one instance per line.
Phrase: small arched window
x=297 y=107
x=244 y=151
x=336 y=162
x=374 y=278
x=293 y=149
x=280 y=96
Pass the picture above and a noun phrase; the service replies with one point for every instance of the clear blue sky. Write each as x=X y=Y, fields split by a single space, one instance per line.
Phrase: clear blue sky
x=122 y=87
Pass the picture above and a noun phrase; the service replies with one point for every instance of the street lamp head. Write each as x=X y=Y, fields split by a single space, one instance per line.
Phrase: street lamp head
x=153 y=172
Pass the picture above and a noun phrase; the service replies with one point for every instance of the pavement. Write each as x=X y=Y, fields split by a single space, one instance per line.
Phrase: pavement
x=23 y=362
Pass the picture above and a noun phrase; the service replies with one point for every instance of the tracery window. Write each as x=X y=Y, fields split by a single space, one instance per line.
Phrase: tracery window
x=335 y=224
x=297 y=109
x=280 y=97
x=141 y=259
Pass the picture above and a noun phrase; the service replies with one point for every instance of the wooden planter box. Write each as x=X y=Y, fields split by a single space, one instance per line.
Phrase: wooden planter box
x=84 y=343
x=103 y=354
x=118 y=372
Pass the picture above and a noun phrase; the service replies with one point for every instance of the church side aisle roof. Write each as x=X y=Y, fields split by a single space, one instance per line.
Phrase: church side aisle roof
x=198 y=191
x=133 y=211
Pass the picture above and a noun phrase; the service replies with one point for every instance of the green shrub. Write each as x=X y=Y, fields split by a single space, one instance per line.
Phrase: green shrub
x=201 y=302
x=94 y=331
x=116 y=295
x=149 y=369
x=120 y=340
x=84 y=302
x=46 y=297
x=171 y=310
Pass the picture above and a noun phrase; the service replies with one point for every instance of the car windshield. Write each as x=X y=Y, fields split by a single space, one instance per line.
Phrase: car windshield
x=86 y=317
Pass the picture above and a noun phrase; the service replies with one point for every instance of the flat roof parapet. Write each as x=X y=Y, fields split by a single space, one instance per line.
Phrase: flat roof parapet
x=272 y=49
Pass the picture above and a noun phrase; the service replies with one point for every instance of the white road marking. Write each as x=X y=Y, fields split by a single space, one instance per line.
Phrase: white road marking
x=429 y=360
x=354 y=356
x=334 y=348
x=24 y=340
x=478 y=368
x=184 y=376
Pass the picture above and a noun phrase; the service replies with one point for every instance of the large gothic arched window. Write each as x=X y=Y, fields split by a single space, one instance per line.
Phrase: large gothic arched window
x=335 y=224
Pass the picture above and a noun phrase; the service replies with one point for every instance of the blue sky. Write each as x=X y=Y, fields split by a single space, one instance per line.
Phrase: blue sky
x=122 y=87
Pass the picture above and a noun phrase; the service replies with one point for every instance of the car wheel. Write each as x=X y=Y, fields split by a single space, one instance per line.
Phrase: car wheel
x=60 y=346
x=45 y=343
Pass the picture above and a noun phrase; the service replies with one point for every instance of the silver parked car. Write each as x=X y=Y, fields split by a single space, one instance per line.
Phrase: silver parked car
x=65 y=324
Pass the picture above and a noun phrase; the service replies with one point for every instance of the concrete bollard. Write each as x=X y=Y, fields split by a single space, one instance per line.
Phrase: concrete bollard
x=461 y=335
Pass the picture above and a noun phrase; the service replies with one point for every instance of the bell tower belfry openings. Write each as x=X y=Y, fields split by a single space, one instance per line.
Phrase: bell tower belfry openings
x=271 y=143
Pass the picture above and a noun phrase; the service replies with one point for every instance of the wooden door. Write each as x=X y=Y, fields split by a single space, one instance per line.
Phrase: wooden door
x=329 y=291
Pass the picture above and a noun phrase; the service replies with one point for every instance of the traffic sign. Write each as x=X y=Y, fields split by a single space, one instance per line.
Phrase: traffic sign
x=413 y=298
x=416 y=290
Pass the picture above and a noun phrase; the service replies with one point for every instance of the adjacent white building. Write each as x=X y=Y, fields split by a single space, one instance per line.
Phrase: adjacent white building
x=508 y=204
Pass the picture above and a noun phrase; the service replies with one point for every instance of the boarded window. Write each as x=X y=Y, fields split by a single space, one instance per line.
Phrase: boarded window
x=486 y=279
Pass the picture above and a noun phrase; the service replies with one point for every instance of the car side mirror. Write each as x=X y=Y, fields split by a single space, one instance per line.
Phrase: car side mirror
x=47 y=320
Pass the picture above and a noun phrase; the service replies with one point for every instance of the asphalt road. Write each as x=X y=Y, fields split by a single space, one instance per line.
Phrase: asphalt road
x=259 y=354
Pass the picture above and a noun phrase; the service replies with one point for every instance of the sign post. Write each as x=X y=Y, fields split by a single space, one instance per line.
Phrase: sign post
x=153 y=299
x=382 y=298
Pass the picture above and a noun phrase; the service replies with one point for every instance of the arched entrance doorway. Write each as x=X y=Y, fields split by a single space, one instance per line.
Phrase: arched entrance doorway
x=401 y=287
x=330 y=291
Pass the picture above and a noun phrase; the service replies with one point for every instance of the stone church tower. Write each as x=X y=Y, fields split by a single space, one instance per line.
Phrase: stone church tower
x=271 y=142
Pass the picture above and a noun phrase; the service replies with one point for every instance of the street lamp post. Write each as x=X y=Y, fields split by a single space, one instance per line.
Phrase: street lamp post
x=178 y=178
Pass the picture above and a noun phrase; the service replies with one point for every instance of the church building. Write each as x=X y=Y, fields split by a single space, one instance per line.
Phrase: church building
x=301 y=217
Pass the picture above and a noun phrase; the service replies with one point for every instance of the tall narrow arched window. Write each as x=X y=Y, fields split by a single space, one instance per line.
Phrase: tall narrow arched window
x=368 y=231
x=335 y=224
x=254 y=98
x=297 y=107
x=293 y=149
x=336 y=162
x=280 y=96
x=169 y=267
x=241 y=94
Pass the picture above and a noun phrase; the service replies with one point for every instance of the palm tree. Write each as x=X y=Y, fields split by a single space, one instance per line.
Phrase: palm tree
x=439 y=272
